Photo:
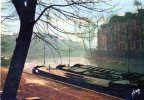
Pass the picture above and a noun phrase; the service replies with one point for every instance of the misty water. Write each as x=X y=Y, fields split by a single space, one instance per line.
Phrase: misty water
x=53 y=62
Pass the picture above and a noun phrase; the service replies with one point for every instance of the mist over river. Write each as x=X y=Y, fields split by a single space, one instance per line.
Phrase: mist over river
x=53 y=62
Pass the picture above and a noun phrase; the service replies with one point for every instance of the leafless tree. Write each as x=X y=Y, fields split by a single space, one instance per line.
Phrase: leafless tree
x=42 y=18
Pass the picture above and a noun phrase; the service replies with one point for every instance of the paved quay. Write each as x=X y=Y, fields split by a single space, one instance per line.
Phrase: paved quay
x=48 y=89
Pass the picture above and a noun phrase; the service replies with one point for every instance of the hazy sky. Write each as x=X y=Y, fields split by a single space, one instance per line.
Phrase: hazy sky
x=125 y=5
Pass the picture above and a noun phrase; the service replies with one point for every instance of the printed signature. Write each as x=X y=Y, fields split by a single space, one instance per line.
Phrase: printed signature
x=134 y=92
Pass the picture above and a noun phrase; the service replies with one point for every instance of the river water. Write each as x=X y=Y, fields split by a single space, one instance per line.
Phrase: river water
x=53 y=62
x=30 y=63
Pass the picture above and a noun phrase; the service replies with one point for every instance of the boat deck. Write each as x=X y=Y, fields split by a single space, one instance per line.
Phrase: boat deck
x=77 y=77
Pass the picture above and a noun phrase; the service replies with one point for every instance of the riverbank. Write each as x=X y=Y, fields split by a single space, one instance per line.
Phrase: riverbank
x=121 y=88
x=48 y=89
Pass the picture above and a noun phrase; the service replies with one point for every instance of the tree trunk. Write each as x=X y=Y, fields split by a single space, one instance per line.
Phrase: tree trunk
x=26 y=15
x=18 y=61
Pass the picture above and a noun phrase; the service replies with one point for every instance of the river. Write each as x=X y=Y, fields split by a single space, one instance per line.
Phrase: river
x=137 y=68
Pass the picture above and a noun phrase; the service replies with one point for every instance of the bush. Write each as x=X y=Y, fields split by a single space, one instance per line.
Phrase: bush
x=5 y=61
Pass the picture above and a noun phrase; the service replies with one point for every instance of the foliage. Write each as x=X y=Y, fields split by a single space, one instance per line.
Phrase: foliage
x=4 y=46
x=116 y=18
x=137 y=3
x=128 y=16
x=5 y=61
x=37 y=47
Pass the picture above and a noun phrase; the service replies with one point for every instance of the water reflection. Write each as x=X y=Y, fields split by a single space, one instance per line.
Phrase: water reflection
x=135 y=66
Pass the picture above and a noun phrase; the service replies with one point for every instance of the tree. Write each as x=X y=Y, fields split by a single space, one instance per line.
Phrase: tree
x=41 y=19
x=137 y=3
x=88 y=36
x=91 y=35
x=26 y=15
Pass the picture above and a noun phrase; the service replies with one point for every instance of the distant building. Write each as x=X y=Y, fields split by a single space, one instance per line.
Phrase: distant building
x=123 y=35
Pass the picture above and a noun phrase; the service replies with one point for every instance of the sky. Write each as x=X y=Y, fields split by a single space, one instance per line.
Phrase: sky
x=127 y=6
x=124 y=6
